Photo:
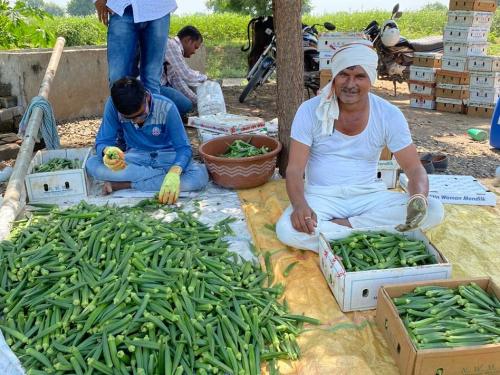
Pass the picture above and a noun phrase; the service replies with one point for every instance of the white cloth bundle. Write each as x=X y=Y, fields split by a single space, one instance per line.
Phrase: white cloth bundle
x=361 y=54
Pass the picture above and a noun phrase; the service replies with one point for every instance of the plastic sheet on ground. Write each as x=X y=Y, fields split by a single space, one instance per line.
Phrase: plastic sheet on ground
x=9 y=364
x=349 y=343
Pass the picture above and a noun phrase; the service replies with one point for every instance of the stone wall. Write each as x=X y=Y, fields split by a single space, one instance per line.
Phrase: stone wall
x=80 y=86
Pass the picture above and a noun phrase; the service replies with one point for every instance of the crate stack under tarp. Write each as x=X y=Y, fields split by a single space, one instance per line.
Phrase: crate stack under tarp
x=423 y=79
x=465 y=39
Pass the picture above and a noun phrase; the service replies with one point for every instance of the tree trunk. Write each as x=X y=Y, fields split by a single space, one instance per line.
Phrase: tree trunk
x=290 y=69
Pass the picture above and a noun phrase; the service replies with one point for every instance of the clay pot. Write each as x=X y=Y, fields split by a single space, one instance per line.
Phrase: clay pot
x=240 y=173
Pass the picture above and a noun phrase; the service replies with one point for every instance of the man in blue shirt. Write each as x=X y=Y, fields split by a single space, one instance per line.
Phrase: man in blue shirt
x=158 y=156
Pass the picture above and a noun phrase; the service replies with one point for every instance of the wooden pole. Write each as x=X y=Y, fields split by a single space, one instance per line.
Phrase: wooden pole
x=12 y=204
x=290 y=69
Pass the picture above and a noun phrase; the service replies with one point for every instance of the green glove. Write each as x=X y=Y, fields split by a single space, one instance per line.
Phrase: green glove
x=170 y=187
x=416 y=211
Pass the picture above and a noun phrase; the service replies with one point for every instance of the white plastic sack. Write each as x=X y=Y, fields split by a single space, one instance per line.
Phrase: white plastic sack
x=210 y=99
x=9 y=364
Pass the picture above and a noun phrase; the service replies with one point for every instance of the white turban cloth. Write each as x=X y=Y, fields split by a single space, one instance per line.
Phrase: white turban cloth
x=349 y=55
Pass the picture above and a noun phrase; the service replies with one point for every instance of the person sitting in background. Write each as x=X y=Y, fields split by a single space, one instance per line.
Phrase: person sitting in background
x=336 y=141
x=177 y=75
x=158 y=155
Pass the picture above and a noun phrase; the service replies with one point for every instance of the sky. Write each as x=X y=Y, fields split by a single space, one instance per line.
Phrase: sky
x=319 y=6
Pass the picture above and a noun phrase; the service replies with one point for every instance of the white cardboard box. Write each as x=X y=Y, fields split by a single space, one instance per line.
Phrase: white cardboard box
x=423 y=102
x=484 y=80
x=454 y=63
x=465 y=49
x=227 y=123
x=358 y=290
x=484 y=63
x=454 y=189
x=422 y=88
x=54 y=186
x=459 y=34
x=332 y=41
x=387 y=170
x=325 y=58
x=484 y=95
x=451 y=101
x=468 y=18
x=418 y=73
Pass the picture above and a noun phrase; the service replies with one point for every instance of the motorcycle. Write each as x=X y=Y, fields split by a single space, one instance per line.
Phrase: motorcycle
x=395 y=52
x=266 y=64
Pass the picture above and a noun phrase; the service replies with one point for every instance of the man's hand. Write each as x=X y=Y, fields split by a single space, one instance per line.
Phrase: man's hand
x=304 y=219
x=170 y=187
x=416 y=210
x=114 y=158
x=103 y=12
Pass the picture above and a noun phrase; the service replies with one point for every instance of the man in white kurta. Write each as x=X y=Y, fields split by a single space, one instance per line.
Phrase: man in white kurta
x=336 y=142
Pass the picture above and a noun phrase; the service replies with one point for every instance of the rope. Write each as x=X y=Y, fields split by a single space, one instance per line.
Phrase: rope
x=48 y=127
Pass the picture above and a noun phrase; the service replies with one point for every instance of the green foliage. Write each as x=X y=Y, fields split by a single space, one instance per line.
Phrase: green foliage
x=38 y=4
x=226 y=61
x=412 y=24
x=80 y=7
x=217 y=29
x=19 y=26
x=79 y=31
x=252 y=7
x=435 y=6
x=54 y=9
x=51 y=8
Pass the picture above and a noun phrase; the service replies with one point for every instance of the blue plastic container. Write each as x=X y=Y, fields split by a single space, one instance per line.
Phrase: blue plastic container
x=495 y=127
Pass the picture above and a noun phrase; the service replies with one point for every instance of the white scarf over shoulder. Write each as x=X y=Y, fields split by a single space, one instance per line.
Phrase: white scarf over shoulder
x=361 y=54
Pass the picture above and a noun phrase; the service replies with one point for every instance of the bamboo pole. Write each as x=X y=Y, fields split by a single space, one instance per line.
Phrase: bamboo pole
x=12 y=205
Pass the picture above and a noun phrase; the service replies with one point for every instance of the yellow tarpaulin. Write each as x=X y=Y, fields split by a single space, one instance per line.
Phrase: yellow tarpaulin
x=349 y=343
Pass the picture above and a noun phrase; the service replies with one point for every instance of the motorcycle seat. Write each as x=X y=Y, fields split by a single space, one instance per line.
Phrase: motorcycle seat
x=427 y=44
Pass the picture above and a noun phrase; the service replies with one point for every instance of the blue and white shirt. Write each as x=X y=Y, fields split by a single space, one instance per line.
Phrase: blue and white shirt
x=143 y=10
x=162 y=130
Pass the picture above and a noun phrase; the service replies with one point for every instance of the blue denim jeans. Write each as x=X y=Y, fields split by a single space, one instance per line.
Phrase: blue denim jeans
x=146 y=171
x=181 y=101
x=123 y=38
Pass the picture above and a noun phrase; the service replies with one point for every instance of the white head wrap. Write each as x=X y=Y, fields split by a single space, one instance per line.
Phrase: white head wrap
x=349 y=55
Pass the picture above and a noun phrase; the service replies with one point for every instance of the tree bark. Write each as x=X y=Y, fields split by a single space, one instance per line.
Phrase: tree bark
x=290 y=69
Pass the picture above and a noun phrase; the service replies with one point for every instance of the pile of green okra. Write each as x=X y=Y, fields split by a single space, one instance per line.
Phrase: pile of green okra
x=362 y=251
x=441 y=317
x=57 y=164
x=107 y=290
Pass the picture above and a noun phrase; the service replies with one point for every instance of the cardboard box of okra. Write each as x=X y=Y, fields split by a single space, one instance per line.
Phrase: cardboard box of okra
x=356 y=266
x=442 y=327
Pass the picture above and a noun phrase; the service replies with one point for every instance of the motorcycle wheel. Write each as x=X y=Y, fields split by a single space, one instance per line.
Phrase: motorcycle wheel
x=253 y=83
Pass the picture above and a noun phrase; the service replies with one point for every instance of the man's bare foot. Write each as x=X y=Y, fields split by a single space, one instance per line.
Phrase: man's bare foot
x=109 y=187
x=343 y=222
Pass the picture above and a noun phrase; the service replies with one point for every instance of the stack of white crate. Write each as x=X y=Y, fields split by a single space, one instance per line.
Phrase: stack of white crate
x=465 y=38
x=328 y=44
x=484 y=85
x=423 y=80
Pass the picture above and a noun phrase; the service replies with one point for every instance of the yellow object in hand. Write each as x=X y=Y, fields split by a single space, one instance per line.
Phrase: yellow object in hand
x=171 y=185
x=114 y=158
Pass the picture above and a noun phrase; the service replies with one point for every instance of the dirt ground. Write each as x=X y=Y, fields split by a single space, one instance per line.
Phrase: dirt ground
x=432 y=131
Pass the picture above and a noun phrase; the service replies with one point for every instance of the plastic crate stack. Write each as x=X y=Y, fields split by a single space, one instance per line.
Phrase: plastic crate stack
x=328 y=43
x=465 y=40
x=423 y=79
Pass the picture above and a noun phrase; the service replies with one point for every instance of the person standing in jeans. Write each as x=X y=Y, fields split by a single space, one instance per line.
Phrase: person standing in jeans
x=134 y=24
